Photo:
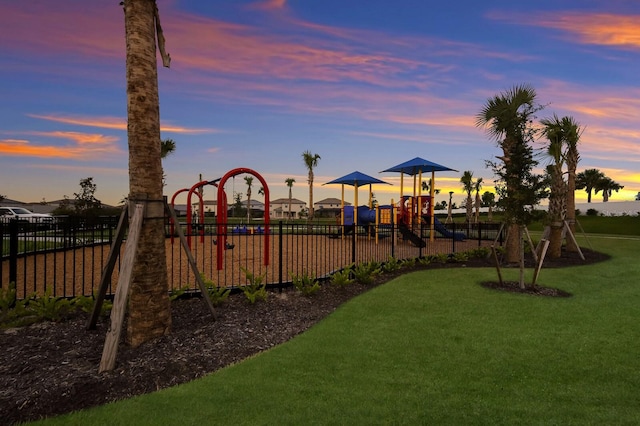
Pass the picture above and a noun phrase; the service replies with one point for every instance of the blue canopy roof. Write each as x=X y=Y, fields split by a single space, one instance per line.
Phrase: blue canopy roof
x=417 y=165
x=356 y=179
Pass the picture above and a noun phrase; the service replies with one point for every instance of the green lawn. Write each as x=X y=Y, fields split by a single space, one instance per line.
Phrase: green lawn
x=434 y=347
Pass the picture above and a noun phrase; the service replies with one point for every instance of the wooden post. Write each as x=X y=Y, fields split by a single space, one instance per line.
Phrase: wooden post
x=110 y=350
x=108 y=270
x=192 y=262
x=545 y=246
x=495 y=259
x=573 y=238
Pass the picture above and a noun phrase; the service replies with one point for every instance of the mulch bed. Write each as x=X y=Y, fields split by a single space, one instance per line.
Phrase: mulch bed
x=52 y=368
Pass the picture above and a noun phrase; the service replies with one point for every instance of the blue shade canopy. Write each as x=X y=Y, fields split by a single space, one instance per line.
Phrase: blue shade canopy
x=356 y=179
x=417 y=165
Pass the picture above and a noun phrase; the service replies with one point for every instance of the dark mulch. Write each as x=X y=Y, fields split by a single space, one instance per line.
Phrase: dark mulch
x=52 y=368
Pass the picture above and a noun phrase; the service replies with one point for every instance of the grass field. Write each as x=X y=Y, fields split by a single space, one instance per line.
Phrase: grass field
x=434 y=347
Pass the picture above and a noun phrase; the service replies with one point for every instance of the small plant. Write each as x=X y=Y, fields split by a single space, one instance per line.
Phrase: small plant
x=480 y=253
x=217 y=295
x=592 y=212
x=86 y=303
x=306 y=284
x=365 y=272
x=176 y=293
x=50 y=308
x=391 y=265
x=461 y=256
x=7 y=298
x=440 y=258
x=255 y=290
x=409 y=263
x=424 y=261
x=342 y=278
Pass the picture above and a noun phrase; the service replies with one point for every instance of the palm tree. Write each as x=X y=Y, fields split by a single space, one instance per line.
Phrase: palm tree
x=149 y=305
x=489 y=200
x=508 y=117
x=249 y=181
x=167 y=146
x=467 y=185
x=311 y=161
x=588 y=180
x=554 y=133
x=607 y=185
x=477 y=186
x=289 y=182
x=449 y=207
x=572 y=133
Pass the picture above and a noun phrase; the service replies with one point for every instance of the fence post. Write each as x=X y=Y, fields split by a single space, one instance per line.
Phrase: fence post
x=479 y=233
x=453 y=237
x=280 y=254
x=13 y=251
x=353 y=242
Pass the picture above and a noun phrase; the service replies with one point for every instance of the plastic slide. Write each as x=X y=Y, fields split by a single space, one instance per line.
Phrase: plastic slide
x=440 y=228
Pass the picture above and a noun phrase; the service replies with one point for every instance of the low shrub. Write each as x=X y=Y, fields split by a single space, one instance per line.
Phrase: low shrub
x=342 y=278
x=366 y=272
x=305 y=284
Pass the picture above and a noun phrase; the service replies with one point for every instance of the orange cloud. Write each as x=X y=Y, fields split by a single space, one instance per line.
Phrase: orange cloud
x=83 y=146
x=269 y=4
x=115 y=123
x=590 y=28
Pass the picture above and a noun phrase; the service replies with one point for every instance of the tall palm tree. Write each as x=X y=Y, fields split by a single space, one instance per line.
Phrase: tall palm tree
x=449 y=207
x=588 y=180
x=477 y=186
x=467 y=185
x=489 y=200
x=607 y=185
x=572 y=133
x=507 y=118
x=149 y=305
x=310 y=161
x=554 y=132
x=249 y=182
x=289 y=182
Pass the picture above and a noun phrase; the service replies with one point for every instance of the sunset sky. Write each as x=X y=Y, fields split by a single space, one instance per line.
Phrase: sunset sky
x=364 y=84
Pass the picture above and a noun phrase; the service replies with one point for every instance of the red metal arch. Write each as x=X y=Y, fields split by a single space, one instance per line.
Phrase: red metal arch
x=222 y=214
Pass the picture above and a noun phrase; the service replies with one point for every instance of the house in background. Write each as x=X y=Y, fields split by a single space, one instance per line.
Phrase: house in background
x=279 y=209
x=329 y=207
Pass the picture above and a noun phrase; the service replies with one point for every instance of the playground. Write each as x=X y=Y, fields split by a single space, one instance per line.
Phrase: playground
x=225 y=253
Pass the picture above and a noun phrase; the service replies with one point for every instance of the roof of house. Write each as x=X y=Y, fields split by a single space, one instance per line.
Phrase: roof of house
x=332 y=201
x=286 y=201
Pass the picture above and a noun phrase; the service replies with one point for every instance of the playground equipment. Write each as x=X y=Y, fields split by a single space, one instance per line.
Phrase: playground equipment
x=222 y=208
x=415 y=167
x=222 y=214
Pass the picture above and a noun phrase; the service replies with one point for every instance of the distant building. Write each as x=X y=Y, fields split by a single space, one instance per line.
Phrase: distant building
x=279 y=209
x=328 y=207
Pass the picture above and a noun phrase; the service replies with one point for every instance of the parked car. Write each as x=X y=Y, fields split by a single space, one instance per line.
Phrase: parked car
x=25 y=216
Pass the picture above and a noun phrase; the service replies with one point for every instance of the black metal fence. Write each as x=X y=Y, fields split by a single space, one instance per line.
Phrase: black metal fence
x=67 y=257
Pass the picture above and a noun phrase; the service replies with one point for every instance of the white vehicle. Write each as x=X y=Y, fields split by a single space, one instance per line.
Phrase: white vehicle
x=23 y=215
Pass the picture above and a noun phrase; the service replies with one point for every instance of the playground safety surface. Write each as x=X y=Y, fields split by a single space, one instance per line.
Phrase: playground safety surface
x=52 y=368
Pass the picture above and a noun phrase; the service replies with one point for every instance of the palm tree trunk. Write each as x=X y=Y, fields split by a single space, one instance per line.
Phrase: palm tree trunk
x=555 y=240
x=149 y=305
x=521 y=259
x=571 y=208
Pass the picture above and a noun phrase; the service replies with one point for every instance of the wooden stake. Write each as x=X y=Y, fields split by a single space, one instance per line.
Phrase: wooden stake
x=108 y=269
x=545 y=245
x=110 y=350
x=192 y=262
x=495 y=259
x=568 y=229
